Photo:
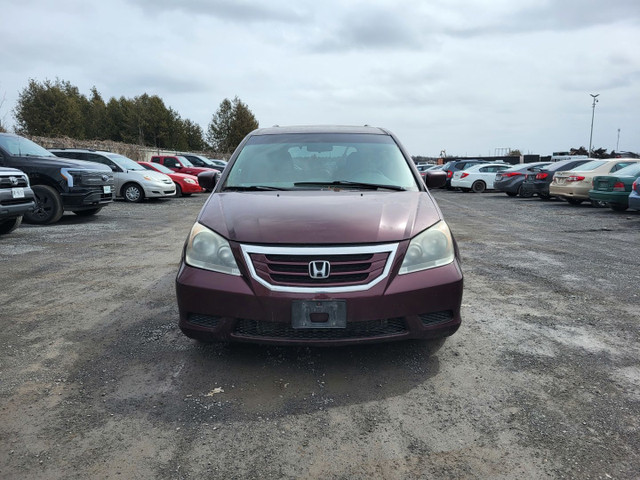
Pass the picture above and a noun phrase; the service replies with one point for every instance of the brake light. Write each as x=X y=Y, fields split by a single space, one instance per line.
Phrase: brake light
x=464 y=174
x=618 y=187
x=575 y=178
x=449 y=174
x=541 y=176
x=635 y=184
x=511 y=174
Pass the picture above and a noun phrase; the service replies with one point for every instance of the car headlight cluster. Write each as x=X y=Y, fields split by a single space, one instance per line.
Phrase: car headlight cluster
x=206 y=249
x=190 y=181
x=429 y=249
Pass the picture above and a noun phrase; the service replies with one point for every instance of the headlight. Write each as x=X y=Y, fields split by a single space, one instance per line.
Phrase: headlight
x=431 y=248
x=190 y=180
x=206 y=249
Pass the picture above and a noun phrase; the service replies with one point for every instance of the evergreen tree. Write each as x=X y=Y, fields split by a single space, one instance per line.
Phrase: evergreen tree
x=230 y=124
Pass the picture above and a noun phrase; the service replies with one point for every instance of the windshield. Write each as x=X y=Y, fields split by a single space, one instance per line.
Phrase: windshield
x=629 y=171
x=124 y=162
x=159 y=167
x=184 y=161
x=20 y=146
x=321 y=160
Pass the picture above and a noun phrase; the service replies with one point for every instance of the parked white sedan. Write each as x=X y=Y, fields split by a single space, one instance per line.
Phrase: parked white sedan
x=477 y=178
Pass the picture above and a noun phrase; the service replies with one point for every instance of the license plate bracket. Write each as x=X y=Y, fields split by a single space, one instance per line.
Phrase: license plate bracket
x=319 y=314
x=17 y=192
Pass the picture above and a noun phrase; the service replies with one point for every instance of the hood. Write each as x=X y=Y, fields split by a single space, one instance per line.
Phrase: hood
x=182 y=176
x=60 y=162
x=196 y=170
x=319 y=217
x=157 y=176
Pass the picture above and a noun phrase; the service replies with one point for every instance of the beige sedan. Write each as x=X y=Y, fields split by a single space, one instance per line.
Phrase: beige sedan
x=574 y=185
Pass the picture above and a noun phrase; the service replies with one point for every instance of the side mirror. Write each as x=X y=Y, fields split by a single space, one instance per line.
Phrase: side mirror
x=209 y=179
x=435 y=178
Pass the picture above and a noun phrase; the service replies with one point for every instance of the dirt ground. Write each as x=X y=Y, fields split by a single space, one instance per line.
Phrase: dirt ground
x=541 y=381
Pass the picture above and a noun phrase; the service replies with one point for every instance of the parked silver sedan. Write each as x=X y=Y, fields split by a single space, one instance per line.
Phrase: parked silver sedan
x=133 y=182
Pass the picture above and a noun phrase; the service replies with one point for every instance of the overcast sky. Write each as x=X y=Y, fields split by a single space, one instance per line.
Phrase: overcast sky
x=466 y=76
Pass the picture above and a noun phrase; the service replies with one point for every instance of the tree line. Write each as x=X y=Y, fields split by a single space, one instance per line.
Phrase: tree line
x=58 y=109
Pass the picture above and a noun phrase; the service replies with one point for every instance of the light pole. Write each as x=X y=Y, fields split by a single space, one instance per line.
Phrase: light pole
x=593 y=112
x=618 y=142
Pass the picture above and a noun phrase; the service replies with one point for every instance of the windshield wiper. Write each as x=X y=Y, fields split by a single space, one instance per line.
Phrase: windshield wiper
x=339 y=183
x=252 y=188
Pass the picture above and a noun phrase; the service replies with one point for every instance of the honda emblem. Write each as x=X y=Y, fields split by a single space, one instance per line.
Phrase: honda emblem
x=319 y=269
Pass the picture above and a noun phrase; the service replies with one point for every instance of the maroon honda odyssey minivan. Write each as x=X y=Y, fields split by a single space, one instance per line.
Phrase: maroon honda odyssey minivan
x=320 y=236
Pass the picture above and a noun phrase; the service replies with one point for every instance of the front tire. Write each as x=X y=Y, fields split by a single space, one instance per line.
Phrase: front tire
x=133 y=193
x=178 y=191
x=10 y=225
x=478 y=186
x=512 y=194
x=48 y=206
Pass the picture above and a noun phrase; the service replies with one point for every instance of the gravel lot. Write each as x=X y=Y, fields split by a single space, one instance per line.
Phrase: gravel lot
x=541 y=381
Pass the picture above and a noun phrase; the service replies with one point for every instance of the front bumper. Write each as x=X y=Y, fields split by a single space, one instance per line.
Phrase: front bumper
x=191 y=188
x=85 y=198
x=219 y=307
x=159 y=190
x=15 y=207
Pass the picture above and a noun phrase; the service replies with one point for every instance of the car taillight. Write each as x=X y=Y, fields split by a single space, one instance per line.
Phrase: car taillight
x=465 y=174
x=575 y=178
x=511 y=174
x=541 y=176
x=618 y=187
x=635 y=184
x=449 y=174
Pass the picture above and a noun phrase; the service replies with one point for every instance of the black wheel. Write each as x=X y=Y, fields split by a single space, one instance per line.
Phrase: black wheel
x=618 y=207
x=10 y=225
x=478 y=186
x=133 y=192
x=512 y=194
x=574 y=201
x=523 y=194
x=179 y=191
x=48 y=206
x=87 y=213
x=544 y=196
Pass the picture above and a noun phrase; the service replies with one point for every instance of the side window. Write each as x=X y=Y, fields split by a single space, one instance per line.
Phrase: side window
x=74 y=155
x=92 y=157
x=170 y=162
x=487 y=169
x=620 y=165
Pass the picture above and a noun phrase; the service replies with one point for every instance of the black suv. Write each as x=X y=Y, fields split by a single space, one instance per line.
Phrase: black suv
x=450 y=167
x=59 y=184
x=16 y=198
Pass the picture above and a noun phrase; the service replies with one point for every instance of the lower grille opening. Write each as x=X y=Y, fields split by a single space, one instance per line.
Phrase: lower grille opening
x=434 y=318
x=366 y=329
x=204 y=320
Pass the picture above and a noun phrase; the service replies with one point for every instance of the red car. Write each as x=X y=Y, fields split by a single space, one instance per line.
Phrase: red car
x=185 y=184
x=320 y=236
x=180 y=164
